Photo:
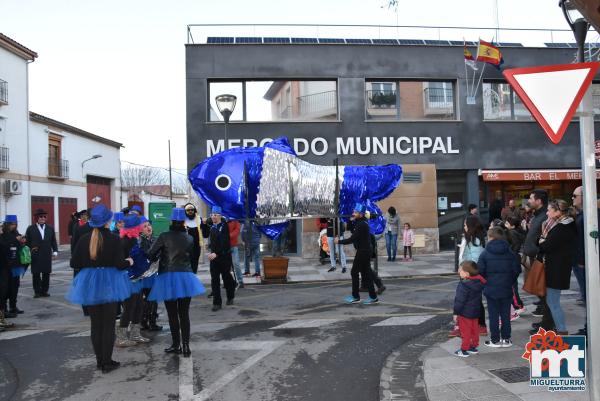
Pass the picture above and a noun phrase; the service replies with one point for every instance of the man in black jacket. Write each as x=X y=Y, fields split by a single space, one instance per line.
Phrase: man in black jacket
x=41 y=239
x=220 y=259
x=193 y=224
x=361 y=238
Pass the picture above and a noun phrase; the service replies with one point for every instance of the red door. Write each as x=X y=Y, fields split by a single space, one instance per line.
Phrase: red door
x=46 y=203
x=98 y=191
x=66 y=207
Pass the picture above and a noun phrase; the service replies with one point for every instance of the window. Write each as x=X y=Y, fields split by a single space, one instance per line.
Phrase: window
x=409 y=100
x=299 y=100
x=501 y=103
x=56 y=166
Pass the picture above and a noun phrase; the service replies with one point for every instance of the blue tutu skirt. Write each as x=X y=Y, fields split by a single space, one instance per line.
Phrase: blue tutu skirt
x=18 y=271
x=99 y=285
x=136 y=286
x=148 y=282
x=174 y=285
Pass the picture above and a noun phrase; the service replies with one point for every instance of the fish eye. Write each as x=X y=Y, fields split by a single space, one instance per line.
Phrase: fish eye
x=223 y=182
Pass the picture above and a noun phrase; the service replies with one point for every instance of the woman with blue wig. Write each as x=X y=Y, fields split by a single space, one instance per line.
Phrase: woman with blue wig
x=176 y=283
x=100 y=284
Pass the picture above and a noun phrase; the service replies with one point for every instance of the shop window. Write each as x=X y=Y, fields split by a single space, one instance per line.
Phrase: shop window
x=410 y=100
x=277 y=100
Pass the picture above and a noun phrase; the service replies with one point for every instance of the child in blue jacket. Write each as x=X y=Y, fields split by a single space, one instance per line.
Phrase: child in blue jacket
x=499 y=266
x=467 y=307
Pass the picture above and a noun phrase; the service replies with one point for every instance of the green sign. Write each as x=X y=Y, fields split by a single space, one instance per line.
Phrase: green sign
x=159 y=214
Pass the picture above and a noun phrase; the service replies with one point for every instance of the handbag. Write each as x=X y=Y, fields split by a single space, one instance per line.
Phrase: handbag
x=535 y=284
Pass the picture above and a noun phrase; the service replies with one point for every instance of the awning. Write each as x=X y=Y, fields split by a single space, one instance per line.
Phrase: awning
x=532 y=175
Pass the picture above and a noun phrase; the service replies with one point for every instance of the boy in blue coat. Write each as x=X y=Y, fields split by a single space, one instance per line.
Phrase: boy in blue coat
x=499 y=266
x=467 y=307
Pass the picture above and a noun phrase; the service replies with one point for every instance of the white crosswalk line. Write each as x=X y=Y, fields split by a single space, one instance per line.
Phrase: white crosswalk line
x=404 y=321
x=86 y=333
x=305 y=323
x=12 y=334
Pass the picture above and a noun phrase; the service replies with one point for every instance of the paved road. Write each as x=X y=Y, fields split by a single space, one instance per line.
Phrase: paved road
x=279 y=342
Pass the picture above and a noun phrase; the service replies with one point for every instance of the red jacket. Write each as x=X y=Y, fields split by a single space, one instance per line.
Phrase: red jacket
x=234 y=232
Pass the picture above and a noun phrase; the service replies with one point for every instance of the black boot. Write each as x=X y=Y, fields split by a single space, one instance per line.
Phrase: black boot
x=153 y=315
x=186 y=349
x=144 y=323
x=174 y=349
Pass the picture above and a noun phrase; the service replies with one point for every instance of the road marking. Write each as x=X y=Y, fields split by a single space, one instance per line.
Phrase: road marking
x=186 y=365
x=404 y=321
x=305 y=323
x=86 y=333
x=12 y=334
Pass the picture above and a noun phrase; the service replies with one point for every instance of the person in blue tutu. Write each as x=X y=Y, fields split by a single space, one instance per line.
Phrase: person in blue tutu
x=14 y=243
x=100 y=283
x=150 y=308
x=128 y=332
x=176 y=283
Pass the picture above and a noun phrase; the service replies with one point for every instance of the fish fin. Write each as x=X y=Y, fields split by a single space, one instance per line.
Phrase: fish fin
x=282 y=144
x=377 y=220
x=273 y=231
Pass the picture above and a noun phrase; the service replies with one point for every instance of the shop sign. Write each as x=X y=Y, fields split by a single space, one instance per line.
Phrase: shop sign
x=534 y=175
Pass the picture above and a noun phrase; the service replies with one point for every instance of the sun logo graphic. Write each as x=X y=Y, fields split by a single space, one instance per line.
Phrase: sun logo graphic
x=557 y=362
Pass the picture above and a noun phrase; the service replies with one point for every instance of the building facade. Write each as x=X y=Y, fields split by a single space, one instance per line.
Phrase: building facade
x=393 y=103
x=45 y=163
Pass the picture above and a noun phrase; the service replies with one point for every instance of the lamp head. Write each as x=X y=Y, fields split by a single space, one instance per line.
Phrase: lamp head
x=226 y=105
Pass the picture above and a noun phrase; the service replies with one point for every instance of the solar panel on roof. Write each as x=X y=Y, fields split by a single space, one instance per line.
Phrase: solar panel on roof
x=410 y=41
x=276 y=40
x=461 y=43
x=329 y=40
x=385 y=42
x=510 y=44
x=557 y=44
x=219 y=40
x=305 y=40
x=359 y=41
x=248 y=40
x=437 y=42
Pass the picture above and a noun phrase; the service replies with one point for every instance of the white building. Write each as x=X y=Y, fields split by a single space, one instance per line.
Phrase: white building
x=46 y=163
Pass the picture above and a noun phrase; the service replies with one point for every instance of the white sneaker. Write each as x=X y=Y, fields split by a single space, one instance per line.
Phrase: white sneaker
x=506 y=343
x=492 y=344
x=514 y=317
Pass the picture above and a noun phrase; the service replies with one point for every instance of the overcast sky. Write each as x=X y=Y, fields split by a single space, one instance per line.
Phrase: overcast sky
x=117 y=68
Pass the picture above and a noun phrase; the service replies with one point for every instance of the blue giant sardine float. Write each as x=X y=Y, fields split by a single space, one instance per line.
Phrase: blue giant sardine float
x=280 y=185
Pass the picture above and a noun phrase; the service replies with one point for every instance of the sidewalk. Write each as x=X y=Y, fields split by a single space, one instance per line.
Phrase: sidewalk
x=308 y=270
x=496 y=373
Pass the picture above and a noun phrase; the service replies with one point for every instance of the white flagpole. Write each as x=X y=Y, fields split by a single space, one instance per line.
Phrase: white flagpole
x=465 y=62
x=479 y=82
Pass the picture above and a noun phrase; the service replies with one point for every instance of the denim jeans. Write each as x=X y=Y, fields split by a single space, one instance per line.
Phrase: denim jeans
x=332 y=250
x=553 y=300
x=254 y=253
x=499 y=308
x=391 y=244
x=235 y=259
x=579 y=273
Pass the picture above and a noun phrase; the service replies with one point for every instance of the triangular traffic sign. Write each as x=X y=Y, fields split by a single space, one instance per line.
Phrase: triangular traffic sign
x=552 y=93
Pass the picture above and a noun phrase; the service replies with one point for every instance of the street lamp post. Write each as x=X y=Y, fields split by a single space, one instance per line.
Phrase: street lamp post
x=91 y=158
x=580 y=26
x=226 y=105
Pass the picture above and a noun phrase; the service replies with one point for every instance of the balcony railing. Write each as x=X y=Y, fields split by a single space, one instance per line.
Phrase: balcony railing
x=4 y=166
x=3 y=92
x=323 y=103
x=439 y=98
x=58 y=168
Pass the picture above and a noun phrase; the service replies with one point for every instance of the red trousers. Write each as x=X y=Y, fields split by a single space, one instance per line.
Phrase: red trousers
x=469 y=332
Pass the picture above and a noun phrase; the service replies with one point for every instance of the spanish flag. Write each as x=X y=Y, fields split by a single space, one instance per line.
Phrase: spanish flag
x=469 y=59
x=489 y=53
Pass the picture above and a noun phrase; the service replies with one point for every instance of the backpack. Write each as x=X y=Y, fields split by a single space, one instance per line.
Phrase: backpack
x=25 y=255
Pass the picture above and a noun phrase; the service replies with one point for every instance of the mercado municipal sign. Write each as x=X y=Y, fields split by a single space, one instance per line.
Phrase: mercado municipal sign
x=352 y=145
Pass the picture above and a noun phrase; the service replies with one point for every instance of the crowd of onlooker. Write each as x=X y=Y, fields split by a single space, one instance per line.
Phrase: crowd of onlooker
x=544 y=241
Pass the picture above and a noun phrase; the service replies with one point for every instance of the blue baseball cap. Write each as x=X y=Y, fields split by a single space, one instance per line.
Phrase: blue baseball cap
x=118 y=216
x=360 y=208
x=99 y=216
x=137 y=209
x=132 y=220
x=10 y=218
x=216 y=210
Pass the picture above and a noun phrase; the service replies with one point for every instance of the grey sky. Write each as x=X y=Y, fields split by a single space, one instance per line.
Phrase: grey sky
x=117 y=68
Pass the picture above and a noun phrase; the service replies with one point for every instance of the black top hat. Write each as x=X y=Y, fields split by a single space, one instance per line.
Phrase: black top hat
x=40 y=212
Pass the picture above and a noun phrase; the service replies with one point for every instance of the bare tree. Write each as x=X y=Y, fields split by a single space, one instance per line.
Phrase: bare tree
x=140 y=176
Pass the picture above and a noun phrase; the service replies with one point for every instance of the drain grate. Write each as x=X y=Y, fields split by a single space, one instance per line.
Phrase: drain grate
x=513 y=375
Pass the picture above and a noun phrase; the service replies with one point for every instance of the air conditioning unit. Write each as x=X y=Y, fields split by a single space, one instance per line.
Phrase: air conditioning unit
x=13 y=187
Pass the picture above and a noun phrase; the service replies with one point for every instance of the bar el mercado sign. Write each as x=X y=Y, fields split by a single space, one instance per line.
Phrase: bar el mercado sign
x=352 y=145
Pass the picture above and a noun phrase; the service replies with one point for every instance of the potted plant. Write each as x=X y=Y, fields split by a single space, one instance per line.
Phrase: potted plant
x=276 y=267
